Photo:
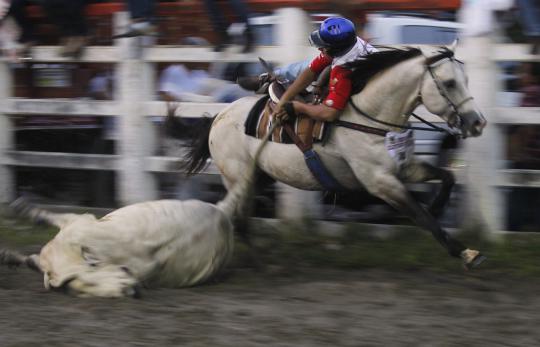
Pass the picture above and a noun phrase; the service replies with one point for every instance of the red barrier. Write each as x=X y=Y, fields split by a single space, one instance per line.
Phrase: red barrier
x=103 y=9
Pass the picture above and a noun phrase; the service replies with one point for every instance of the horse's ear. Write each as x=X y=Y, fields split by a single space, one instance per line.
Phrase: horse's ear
x=453 y=45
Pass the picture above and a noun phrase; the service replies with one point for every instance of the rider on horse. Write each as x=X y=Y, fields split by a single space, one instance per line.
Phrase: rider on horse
x=337 y=40
x=338 y=43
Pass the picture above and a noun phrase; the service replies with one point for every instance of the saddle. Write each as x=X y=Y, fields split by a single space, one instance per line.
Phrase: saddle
x=300 y=130
x=258 y=122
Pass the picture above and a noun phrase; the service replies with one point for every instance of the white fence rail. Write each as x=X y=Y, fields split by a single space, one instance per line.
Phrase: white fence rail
x=134 y=103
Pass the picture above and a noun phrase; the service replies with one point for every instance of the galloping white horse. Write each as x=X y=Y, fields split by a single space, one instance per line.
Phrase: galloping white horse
x=394 y=83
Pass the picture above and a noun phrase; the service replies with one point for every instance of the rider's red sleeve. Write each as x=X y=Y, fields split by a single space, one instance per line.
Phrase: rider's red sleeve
x=320 y=62
x=340 y=86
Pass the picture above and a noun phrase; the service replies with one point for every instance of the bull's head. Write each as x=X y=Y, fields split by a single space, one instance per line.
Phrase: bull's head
x=73 y=269
x=67 y=264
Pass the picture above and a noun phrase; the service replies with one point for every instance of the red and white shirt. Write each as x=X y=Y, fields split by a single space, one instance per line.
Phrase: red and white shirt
x=340 y=84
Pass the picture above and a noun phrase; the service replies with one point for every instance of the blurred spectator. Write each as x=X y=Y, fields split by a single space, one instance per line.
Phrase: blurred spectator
x=220 y=25
x=70 y=18
x=4 y=8
x=478 y=16
x=529 y=11
x=68 y=15
x=179 y=83
x=9 y=35
x=100 y=86
x=26 y=37
x=142 y=19
x=530 y=85
x=524 y=140
x=524 y=153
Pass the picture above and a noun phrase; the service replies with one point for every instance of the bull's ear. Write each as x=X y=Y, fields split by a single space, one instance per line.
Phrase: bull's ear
x=453 y=45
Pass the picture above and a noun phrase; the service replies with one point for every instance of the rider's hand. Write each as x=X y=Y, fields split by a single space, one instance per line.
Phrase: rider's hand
x=279 y=113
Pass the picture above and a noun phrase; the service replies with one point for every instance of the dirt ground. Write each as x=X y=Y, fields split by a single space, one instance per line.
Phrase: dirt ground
x=307 y=307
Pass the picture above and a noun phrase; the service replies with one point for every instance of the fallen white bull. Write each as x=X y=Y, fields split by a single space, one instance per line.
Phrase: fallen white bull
x=165 y=243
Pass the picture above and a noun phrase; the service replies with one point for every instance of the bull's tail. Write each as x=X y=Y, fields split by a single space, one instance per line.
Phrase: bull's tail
x=198 y=150
x=23 y=208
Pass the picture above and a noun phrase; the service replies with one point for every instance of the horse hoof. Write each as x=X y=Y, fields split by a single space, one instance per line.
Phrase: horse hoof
x=472 y=259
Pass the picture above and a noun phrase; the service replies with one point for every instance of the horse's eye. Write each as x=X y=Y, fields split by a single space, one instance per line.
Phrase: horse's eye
x=450 y=84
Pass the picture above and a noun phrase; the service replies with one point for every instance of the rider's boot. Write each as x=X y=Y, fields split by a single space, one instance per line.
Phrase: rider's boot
x=256 y=84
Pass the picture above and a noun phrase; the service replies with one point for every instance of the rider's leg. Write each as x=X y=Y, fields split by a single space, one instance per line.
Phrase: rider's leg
x=287 y=73
x=419 y=171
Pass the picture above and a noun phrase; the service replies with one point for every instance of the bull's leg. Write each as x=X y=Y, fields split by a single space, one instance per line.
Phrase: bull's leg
x=15 y=259
x=422 y=172
x=24 y=208
x=390 y=189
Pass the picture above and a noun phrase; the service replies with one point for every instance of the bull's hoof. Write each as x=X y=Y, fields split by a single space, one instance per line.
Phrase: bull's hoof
x=472 y=258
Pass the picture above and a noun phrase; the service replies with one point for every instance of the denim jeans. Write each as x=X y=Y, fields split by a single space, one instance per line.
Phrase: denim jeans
x=218 y=20
x=291 y=71
x=530 y=17
x=142 y=9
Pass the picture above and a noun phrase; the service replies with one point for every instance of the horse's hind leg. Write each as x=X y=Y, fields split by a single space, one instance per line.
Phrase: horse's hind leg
x=392 y=190
x=423 y=172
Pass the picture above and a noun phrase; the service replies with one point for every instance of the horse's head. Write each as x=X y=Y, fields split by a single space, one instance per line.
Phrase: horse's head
x=444 y=92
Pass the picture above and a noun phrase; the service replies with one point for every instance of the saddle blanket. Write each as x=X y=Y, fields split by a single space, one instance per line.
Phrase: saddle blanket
x=259 y=122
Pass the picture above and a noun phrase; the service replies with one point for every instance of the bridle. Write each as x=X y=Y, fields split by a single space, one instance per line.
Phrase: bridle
x=454 y=123
x=454 y=106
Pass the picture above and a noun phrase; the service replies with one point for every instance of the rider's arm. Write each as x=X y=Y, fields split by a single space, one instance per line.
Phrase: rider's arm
x=317 y=112
x=302 y=82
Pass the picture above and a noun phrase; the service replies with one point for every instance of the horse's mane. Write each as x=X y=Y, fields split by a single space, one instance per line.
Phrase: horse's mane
x=366 y=67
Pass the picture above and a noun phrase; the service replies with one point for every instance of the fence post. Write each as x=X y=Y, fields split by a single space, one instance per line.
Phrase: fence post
x=484 y=205
x=136 y=140
x=291 y=34
x=7 y=181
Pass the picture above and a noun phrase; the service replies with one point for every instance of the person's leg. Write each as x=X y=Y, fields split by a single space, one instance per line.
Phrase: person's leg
x=217 y=20
x=58 y=14
x=70 y=18
x=142 y=14
x=530 y=21
x=76 y=18
x=141 y=10
x=241 y=10
x=17 y=10
x=291 y=71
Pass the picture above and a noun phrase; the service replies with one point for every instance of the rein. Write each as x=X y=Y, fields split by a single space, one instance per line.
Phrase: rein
x=432 y=127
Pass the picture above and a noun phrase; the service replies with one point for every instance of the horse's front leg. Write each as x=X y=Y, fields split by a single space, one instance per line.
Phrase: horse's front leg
x=390 y=189
x=419 y=171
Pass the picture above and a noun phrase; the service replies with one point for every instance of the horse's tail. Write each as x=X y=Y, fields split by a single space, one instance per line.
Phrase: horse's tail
x=198 y=150
x=236 y=201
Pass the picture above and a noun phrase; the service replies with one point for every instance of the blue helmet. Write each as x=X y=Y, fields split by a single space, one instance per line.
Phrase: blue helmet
x=334 y=33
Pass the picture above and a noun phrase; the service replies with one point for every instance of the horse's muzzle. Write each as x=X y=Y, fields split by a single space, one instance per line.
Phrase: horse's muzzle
x=473 y=125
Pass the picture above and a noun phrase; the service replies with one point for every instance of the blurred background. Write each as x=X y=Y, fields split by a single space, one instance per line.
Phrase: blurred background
x=84 y=86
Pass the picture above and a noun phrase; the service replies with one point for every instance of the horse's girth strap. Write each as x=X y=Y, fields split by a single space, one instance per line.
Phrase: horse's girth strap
x=360 y=127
